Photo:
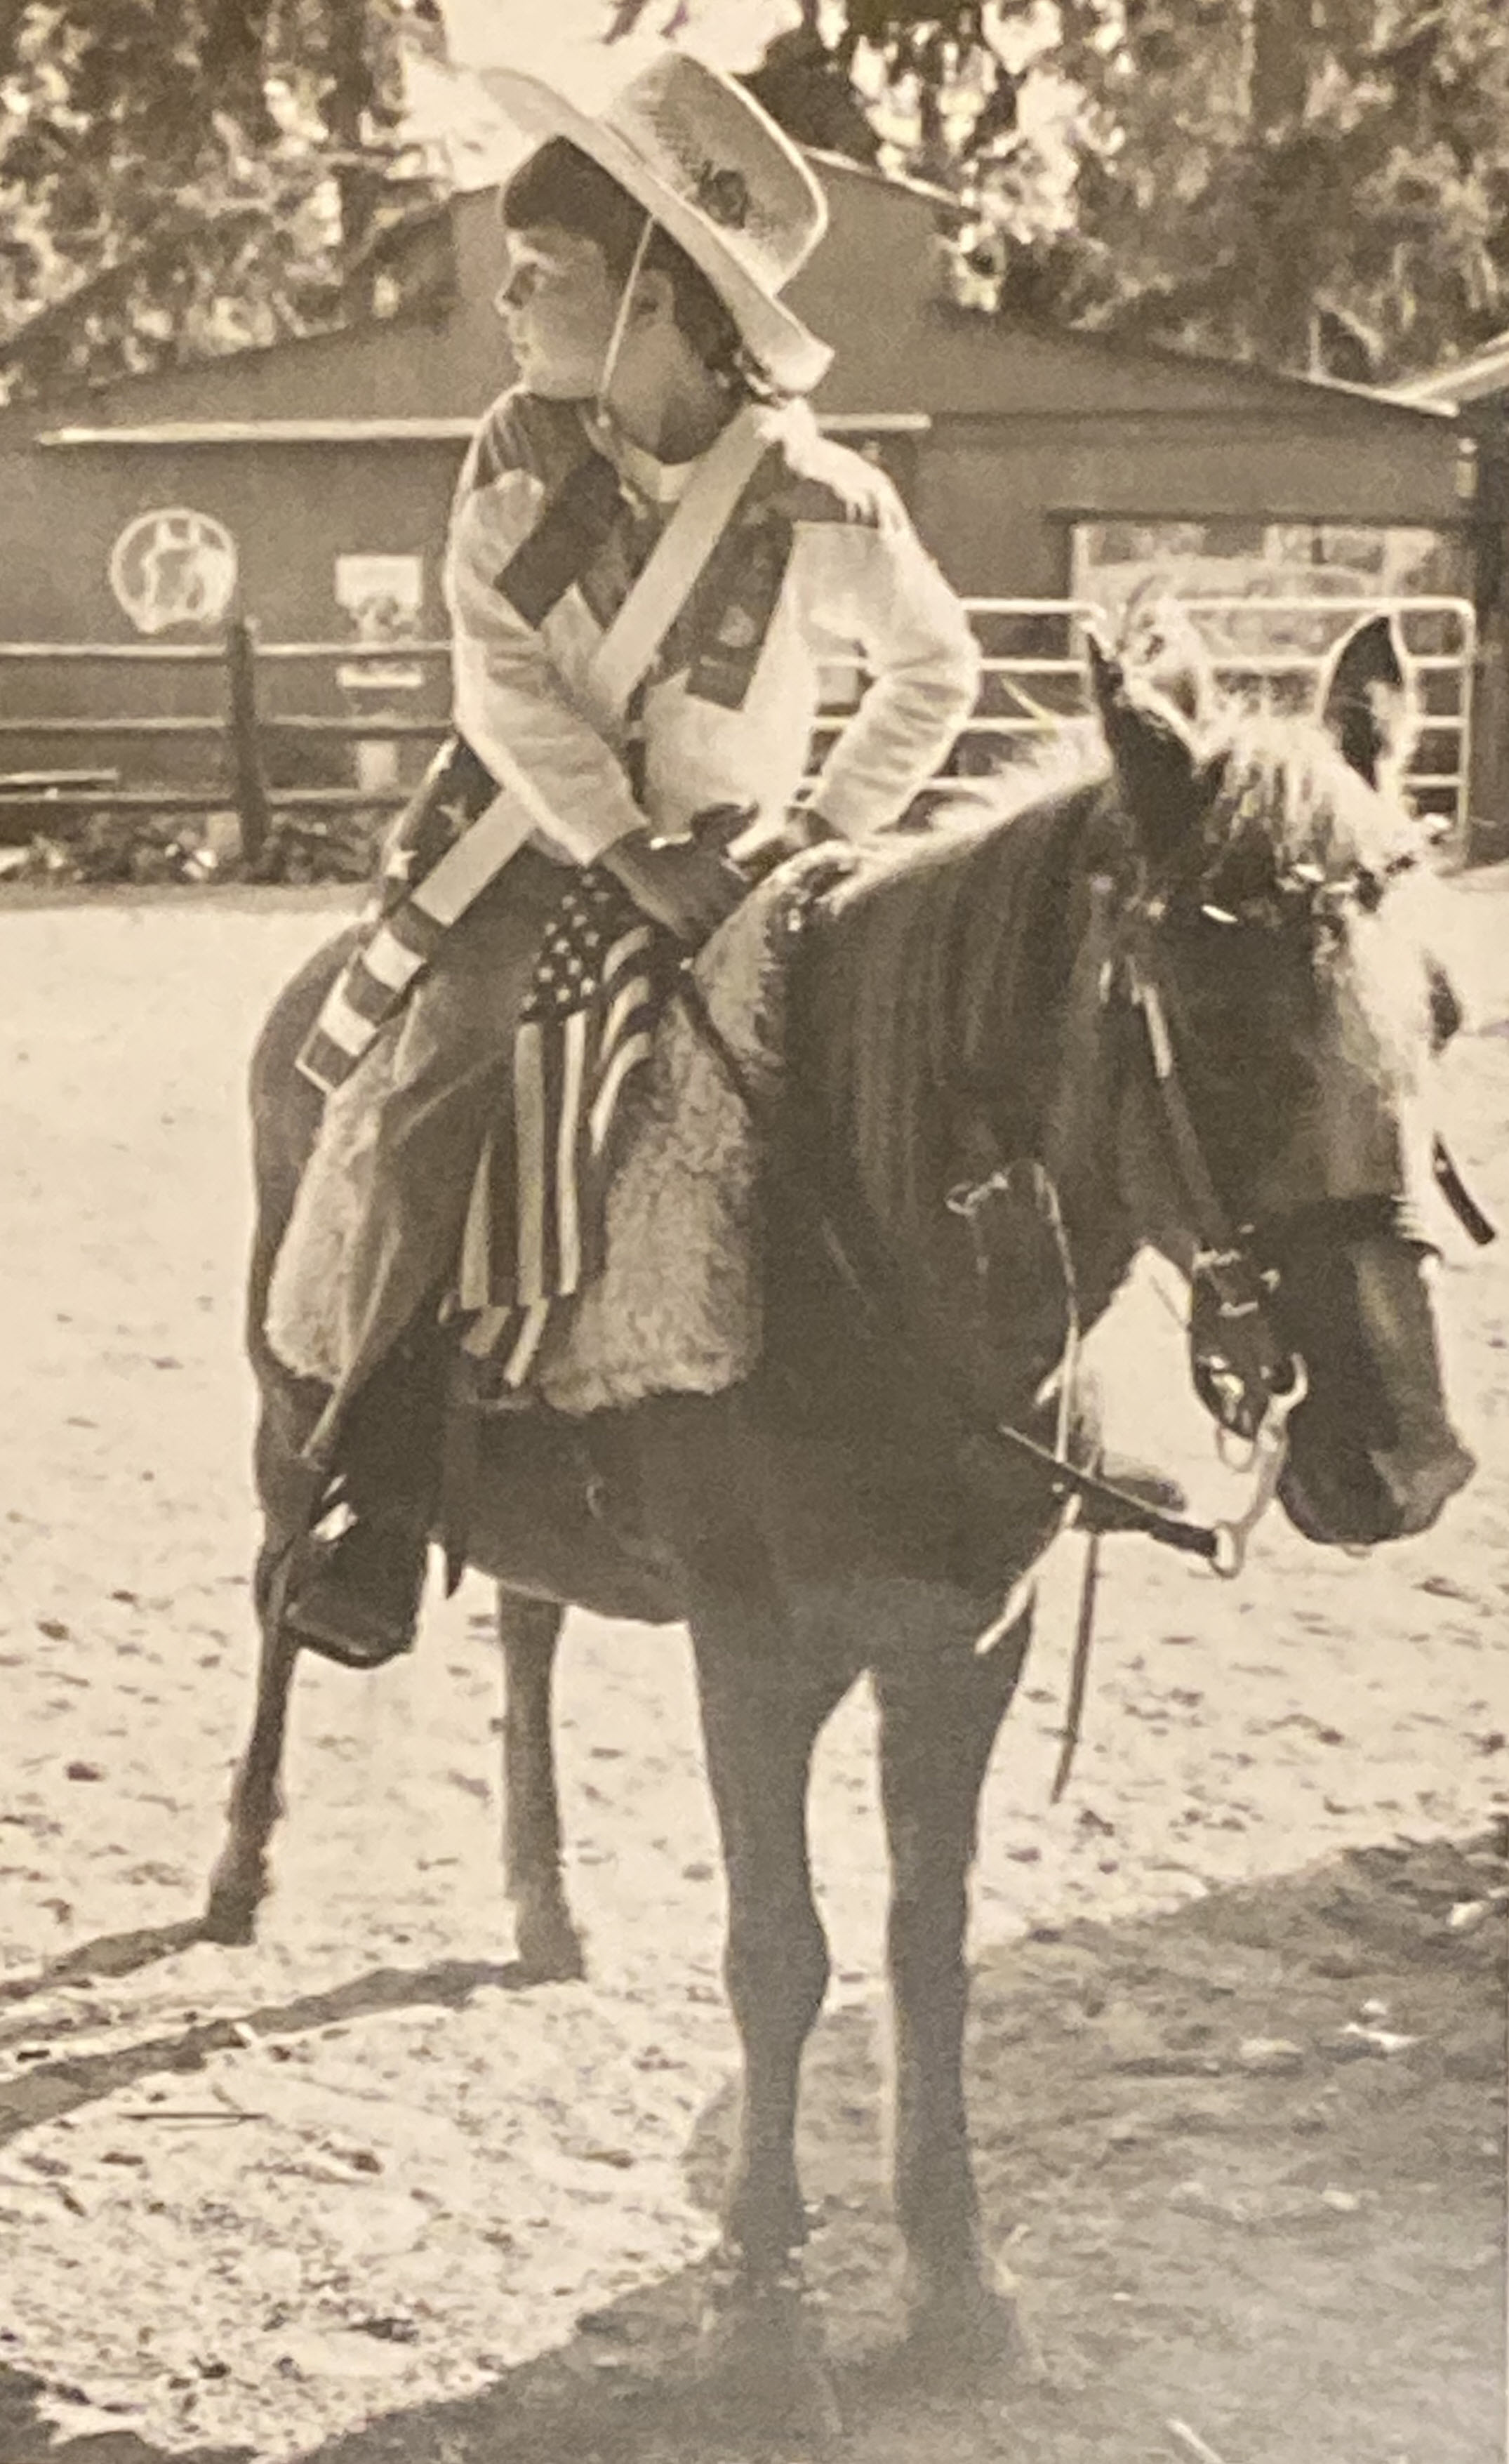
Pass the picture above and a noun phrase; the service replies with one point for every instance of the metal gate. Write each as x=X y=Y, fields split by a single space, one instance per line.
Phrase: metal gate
x=1270 y=652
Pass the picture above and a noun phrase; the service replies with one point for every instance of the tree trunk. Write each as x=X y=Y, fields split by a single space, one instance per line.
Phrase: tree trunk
x=1279 y=34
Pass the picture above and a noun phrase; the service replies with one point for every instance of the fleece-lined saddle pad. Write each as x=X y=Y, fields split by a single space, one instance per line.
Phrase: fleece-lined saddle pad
x=678 y=1305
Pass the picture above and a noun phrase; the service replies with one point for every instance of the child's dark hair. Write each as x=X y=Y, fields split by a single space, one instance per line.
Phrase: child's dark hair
x=562 y=187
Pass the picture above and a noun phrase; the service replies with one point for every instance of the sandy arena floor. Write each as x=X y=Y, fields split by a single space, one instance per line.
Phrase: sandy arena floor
x=329 y=2193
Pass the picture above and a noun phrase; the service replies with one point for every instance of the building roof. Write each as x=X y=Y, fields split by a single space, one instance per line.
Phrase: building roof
x=919 y=355
x=1243 y=379
x=1486 y=372
x=172 y=433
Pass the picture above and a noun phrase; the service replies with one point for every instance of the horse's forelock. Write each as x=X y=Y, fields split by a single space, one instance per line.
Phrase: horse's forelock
x=1287 y=812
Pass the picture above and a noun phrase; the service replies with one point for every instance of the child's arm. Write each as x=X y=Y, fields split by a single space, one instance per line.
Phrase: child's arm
x=881 y=591
x=510 y=703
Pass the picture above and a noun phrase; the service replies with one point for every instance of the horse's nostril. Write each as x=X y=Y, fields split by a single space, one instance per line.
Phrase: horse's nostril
x=1421 y=1490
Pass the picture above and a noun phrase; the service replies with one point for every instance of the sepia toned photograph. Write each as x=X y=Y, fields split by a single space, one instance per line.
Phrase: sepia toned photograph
x=753 y=1154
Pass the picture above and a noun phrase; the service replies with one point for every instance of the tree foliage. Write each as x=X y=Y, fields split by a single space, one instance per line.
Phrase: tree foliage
x=1318 y=184
x=185 y=177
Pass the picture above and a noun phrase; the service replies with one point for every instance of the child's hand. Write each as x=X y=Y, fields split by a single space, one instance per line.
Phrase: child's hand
x=688 y=888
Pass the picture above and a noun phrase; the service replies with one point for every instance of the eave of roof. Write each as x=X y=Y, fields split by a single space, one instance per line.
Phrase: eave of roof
x=1447 y=389
x=170 y=434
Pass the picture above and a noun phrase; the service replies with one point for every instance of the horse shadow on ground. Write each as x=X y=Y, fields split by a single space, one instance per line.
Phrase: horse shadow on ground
x=107 y=1955
x=51 y=2088
x=628 y=2385
x=1227 y=2208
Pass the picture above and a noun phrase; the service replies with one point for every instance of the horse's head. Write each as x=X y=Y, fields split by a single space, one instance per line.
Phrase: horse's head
x=1275 y=1138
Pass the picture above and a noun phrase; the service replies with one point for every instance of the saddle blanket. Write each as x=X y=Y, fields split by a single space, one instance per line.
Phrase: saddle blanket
x=677 y=1307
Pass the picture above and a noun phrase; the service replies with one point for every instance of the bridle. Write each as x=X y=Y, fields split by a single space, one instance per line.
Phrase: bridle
x=1249 y=1380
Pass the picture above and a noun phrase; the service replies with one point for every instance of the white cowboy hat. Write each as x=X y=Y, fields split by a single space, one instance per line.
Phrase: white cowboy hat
x=713 y=168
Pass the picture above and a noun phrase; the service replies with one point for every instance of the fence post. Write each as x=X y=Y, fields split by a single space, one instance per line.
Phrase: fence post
x=249 y=781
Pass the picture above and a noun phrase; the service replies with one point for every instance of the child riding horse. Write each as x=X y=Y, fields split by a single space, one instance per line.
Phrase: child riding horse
x=652 y=552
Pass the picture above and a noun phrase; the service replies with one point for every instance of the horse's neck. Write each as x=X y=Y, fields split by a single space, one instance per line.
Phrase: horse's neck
x=962 y=1032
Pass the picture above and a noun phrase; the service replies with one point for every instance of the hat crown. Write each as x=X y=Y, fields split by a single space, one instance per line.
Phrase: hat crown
x=704 y=139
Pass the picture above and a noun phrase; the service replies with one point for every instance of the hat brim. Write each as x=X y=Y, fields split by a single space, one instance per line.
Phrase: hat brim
x=791 y=353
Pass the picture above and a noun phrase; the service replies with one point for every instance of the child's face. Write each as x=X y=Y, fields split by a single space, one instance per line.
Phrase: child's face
x=559 y=303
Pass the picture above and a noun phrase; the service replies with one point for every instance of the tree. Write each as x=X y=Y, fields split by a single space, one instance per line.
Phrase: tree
x=185 y=177
x=1321 y=185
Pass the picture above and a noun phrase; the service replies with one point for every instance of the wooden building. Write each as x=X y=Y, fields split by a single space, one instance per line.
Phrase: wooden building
x=312 y=478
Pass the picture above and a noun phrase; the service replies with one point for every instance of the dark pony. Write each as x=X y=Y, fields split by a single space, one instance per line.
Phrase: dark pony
x=1176 y=1001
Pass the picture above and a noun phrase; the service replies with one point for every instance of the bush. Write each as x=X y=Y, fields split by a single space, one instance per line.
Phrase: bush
x=142 y=846
x=117 y=846
x=321 y=847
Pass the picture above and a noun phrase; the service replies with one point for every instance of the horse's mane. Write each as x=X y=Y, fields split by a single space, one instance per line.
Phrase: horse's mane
x=944 y=961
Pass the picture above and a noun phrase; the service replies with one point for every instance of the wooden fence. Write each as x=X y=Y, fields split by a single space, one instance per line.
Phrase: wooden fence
x=239 y=728
x=1034 y=683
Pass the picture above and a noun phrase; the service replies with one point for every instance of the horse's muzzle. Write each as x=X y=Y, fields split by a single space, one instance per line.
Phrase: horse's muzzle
x=1372 y=1452
x=1352 y=1507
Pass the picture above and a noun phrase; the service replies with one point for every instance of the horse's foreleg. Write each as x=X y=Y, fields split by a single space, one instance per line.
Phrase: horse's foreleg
x=939 y=1719
x=240 y=1883
x=759 y=1726
x=760 y=1718
x=548 y=1943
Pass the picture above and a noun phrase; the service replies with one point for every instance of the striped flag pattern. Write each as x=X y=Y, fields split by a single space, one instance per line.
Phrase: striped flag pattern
x=535 y=1225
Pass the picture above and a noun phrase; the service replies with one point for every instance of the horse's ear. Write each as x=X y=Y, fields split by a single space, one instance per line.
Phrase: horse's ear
x=1161 y=645
x=1153 y=752
x=1364 y=697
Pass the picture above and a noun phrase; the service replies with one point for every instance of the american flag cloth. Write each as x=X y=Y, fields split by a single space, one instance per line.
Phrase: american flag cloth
x=535 y=1225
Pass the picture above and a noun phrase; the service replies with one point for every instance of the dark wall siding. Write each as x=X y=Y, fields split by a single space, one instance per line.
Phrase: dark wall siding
x=998 y=497
x=1029 y=430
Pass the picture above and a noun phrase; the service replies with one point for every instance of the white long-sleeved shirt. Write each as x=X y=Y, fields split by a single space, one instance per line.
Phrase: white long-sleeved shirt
x=819 y=566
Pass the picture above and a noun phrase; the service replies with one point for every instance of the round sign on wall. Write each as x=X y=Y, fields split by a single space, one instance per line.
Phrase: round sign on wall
x=174 y=567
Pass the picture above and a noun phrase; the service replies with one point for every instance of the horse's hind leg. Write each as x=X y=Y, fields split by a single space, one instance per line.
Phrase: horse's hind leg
x=240 y=1883
x=547 y=1941
x=939 y=1718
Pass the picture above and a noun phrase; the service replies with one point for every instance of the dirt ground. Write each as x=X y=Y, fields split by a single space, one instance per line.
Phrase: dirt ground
x=1238 y=2056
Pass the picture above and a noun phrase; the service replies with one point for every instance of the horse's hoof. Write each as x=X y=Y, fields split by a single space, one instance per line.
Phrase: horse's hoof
x=764 y=2370
x=230 y=1914
x=547 y=1946
x=967 y=2324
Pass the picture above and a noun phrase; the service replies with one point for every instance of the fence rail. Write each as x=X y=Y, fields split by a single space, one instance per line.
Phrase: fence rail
x=1034 y=683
